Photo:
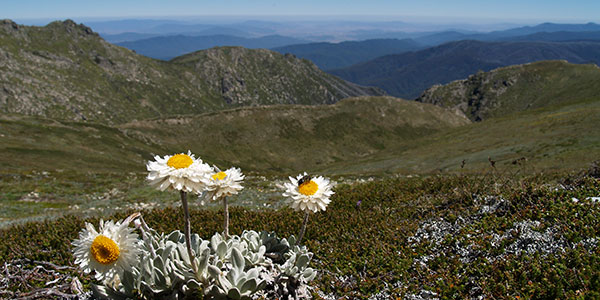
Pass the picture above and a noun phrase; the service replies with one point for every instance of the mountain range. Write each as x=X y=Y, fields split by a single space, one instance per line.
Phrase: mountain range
x=65 y=70
x=408 y=74
x=329 y=56
x=365 y=135
x=338 y=55
x=168 y=39
x=209 y=31
x=71 y=101
x=545 y=27
x=525 y=33
x=168 y=47
x=556 y=36
x=153 y=38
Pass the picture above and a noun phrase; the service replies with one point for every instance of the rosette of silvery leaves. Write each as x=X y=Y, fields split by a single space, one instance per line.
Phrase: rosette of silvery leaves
x=161 y=273
x=249 y=266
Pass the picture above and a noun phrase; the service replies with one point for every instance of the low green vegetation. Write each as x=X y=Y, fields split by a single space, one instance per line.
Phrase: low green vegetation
x=267 y=139
x=280 y=139
x=455 y=237
x=360 y=136
x=33 y=143
x=553 y=137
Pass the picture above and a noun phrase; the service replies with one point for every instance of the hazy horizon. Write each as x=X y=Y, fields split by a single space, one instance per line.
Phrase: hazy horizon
x=432 y=11
x=298 y=22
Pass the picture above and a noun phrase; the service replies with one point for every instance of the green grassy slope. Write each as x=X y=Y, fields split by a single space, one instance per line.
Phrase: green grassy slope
x=275 y=139
x=49 y=168
x=517 y=88
x=354 y=136
x=285 y=138
x=559 y=137
x=34 y=143
x=544 y=115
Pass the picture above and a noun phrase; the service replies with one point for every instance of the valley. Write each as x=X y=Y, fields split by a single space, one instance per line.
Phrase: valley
x=137 y=107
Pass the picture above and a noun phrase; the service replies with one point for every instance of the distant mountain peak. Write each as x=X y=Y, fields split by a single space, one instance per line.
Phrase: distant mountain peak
x=71 y=27
x=171 y=46
x=552 y=27
x=9 y=26
x=254 y=76
x=330 y=56
x=8 y=23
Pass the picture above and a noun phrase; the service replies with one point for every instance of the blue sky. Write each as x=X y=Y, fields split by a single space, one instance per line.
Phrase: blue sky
x=458 y=10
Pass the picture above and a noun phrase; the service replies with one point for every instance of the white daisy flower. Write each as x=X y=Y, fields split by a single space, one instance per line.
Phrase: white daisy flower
x=109 y=251
x=225 y=183
x=308 y=193
x=181 y=172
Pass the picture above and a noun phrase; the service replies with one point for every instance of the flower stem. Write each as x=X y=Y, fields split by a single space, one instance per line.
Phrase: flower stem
x=303 y=230
x=226 y=221
x=187 y=234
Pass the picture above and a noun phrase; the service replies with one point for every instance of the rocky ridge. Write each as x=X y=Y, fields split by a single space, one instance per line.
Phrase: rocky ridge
x=259 y=76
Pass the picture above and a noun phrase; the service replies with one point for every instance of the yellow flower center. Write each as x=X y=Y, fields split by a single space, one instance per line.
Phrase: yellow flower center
x=308 y=188
x=104 y=250
x=180 y=161
x=219 y=176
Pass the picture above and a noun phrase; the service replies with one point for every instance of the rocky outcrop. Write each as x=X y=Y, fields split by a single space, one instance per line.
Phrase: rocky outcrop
x=473 y=96
x=518 y=88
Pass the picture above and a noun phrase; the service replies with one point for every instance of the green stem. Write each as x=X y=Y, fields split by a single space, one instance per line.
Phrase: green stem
x=226 y=222
x=303 y=230
x=188 y=241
